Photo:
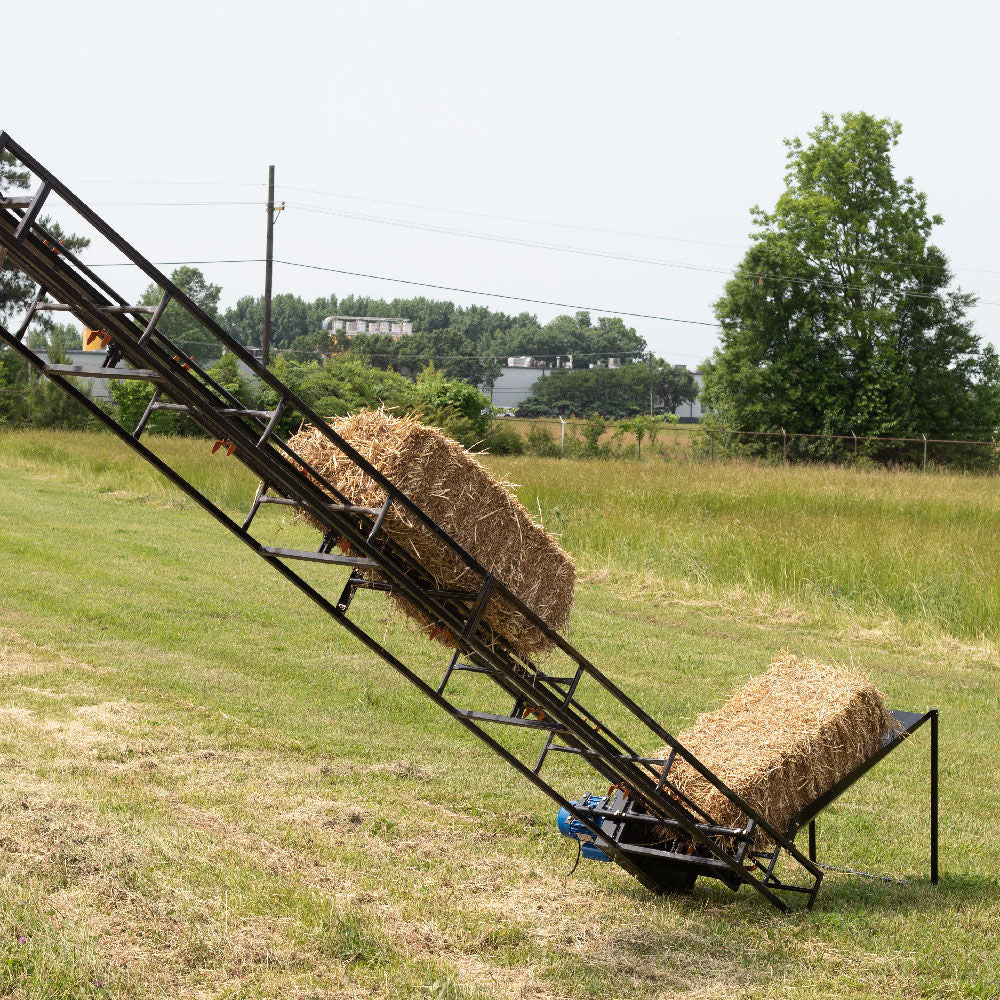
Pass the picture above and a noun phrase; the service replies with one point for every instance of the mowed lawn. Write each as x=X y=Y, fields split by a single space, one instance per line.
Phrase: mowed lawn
x=210 y=790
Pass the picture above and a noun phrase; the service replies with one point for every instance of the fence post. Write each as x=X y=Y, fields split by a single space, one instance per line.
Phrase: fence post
x=713 y=447
x=784 y=445
x=853 y=435
x=562 y=438
x=924 y=436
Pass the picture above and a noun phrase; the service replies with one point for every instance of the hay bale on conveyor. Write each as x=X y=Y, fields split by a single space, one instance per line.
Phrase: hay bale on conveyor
x=479 y=512
x=787 y=737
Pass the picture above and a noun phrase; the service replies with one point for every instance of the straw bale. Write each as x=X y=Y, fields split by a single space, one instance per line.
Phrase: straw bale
x=479 y=512
x=787 y=737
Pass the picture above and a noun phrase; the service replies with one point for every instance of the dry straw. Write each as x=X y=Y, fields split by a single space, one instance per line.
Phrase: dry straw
x=789 y=736
x=479 y=512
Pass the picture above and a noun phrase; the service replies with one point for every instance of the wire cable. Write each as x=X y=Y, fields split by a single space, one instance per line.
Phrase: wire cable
x=500 y=295
x=508 y=240
x=513 y=218
x=602 y=254
x=420 y=284
x=833 y=283
x=182 y=183
x=176 y=204
x=879 y=261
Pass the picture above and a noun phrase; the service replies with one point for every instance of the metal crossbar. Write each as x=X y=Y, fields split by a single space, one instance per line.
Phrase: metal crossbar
x=251 y=436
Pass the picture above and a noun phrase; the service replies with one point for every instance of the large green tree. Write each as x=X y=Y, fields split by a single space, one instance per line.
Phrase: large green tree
x=840 y=317
x=177 y=323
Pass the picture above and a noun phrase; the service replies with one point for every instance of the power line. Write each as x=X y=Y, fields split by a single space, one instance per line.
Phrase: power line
x=513 y=218
x=183 y=263
x=172 y=204
x=423 y=284
x=403 y=358
x=509 y=240
x=500 y=295
x=582 y=251
x=880 y=261
x=586 y=252
x=182 y=183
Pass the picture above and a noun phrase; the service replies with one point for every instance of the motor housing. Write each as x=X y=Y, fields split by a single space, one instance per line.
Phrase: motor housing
x=569 y=826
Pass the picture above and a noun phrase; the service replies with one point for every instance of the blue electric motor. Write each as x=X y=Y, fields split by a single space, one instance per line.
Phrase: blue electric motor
x=571 y=827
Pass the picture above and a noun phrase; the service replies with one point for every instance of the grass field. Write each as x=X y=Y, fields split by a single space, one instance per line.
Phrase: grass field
x=209 y=790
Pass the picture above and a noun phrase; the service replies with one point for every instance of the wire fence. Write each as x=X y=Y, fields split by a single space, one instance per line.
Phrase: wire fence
x=865 y=446
x=710 y=441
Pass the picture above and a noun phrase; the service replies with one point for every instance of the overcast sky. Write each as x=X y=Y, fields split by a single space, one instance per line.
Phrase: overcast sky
x=642 y=130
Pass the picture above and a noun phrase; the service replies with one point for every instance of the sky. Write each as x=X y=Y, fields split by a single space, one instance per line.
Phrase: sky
x=518 y=149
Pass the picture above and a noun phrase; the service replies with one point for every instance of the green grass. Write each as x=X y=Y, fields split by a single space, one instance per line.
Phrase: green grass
x=211 y=790
x=913 y=548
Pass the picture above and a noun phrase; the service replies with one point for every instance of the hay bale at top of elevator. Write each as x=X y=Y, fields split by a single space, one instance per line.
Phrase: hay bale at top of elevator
x=461 y=496
x=783 y=740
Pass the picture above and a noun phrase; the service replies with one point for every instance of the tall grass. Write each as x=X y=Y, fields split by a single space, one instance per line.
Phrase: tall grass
x=882 y=543
x=915 y=547
x=102 y=462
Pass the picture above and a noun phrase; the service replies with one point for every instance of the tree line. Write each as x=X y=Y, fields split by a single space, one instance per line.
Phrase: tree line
x=470 y=343
x=638 y=387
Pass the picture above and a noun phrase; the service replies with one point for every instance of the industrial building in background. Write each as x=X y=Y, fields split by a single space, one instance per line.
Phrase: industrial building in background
x=394 y=327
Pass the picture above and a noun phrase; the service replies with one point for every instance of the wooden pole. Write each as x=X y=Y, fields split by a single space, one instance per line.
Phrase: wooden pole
x=265 y=334
x=650 y=383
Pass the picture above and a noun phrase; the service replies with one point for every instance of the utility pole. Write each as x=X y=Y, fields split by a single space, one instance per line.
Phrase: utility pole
x=265 y=334
x=650 y=383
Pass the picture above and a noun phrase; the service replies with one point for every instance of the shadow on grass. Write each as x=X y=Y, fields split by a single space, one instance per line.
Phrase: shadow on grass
x=846 y=892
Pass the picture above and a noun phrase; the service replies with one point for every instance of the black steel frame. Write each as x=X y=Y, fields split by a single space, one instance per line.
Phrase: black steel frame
x=641 y=784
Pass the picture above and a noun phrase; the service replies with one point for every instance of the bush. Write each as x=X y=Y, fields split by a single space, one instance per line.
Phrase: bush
x=28 y=399
x=533 y=408
x=130 y=399
x=458 y=408
x=539 y=442
x=502 y=440
x=592 y=430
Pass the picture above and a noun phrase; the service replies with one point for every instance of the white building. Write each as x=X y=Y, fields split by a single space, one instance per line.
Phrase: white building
x=351 y=325
x=690 y=413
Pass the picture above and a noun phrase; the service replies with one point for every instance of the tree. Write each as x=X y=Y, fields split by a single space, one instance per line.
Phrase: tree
x=291 y=318
x=617 y=393
x=177 y=323
x=17 y=290
x=840 y=317
x=672 y=385
x=58 y=338
x=639 y=426
x=576 y=335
